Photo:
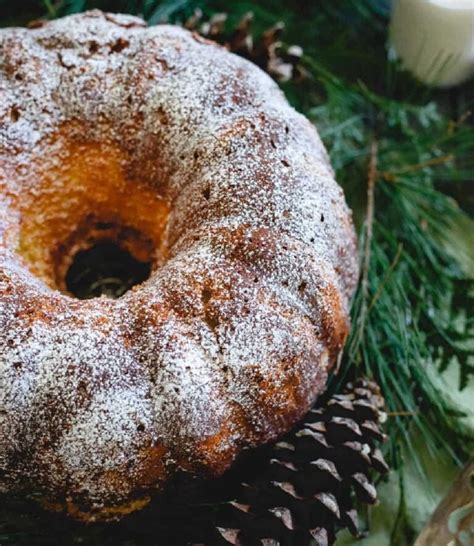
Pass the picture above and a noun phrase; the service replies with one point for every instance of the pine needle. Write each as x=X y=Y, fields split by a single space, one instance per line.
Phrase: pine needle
x=50 y=8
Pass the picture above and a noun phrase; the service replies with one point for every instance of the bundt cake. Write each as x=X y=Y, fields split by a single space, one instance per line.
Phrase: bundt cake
x=190 y=159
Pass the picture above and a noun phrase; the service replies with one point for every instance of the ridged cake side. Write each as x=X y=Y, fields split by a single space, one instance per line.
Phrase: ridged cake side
x=231 y=339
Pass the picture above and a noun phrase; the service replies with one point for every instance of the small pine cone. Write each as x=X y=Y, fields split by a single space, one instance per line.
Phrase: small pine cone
x=313 y=475
x=241 y=41
x=266 y=50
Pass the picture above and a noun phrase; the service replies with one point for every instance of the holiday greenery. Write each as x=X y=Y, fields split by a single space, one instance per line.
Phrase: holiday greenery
x=401 y=152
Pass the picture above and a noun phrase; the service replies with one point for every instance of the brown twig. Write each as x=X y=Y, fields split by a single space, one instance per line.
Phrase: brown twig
x=464 y=117
x=453 y=125
x=369 y=221
x=371 y=178
x=386 y=277
x=454 y=516
x=391 y=176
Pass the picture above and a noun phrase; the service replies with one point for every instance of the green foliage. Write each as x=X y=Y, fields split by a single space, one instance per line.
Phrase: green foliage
x=412 y=315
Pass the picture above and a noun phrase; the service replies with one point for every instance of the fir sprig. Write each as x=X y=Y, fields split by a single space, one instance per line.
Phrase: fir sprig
x=403 y=314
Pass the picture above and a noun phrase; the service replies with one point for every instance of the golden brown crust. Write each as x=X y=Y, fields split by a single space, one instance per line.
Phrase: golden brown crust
x=190 y=157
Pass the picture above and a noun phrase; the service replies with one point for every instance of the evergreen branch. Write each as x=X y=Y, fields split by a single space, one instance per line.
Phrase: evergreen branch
x=409 y=230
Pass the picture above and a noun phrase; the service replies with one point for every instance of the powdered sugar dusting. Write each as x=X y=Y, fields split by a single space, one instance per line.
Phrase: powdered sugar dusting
x=230 y=340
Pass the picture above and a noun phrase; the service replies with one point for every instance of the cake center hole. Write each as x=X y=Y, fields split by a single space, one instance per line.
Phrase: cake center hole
x=104 y=269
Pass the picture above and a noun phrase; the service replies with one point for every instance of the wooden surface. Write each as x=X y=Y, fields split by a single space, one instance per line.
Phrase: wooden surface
x=452 y=523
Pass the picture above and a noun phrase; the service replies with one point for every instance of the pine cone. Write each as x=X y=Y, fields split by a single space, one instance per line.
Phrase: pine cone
x=307 y=490
x=267 y=51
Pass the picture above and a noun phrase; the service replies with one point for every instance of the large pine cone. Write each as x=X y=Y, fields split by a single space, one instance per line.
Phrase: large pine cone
x=307 y=488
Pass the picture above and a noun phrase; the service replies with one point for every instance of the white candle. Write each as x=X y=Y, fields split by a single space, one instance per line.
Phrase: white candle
x=435 y=39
